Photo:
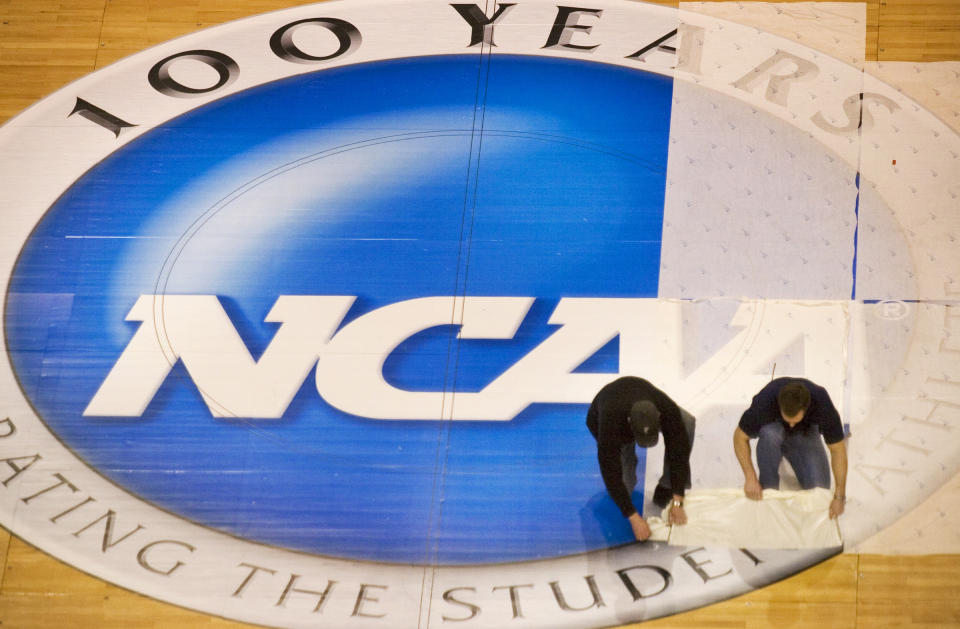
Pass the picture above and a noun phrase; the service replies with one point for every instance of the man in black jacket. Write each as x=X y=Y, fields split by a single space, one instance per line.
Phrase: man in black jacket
x=631 y=412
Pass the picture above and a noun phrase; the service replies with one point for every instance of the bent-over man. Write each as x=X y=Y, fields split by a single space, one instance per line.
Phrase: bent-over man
x=631 y=412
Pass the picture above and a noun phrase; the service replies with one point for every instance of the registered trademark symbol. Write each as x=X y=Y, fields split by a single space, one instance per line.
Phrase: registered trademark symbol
x=892 y=310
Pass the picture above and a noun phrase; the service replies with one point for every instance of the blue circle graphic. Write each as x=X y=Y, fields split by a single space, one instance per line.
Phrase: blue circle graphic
x=387 y=181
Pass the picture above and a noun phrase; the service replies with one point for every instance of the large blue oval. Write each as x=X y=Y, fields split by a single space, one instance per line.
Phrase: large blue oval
x=500 y=176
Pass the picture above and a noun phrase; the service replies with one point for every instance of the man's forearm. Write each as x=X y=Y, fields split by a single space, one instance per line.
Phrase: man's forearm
x=741 y=447
x=611 y=470
x=838 y=462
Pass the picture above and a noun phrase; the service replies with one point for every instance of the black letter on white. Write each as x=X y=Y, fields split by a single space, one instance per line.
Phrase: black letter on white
x=142 y=556
x=253 y=570
x=514 y=597
x=98 y=116
x=448 y=596
x=564 y=25
x=659 y=44
x=160 y=79
x=481 y=27
x=696 y=565
x=281 y=43
x=632 y=587
x=562 y=600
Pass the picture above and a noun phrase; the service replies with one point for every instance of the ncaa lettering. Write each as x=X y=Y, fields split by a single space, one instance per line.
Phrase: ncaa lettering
x=349 y=361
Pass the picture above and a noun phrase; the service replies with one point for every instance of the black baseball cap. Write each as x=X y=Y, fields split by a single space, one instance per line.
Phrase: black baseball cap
x=645 y=423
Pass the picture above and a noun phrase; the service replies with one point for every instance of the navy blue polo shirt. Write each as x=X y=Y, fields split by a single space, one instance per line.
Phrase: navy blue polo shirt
x=765 y=409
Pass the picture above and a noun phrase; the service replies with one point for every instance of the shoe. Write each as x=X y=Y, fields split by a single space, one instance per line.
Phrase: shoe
x=662 y=496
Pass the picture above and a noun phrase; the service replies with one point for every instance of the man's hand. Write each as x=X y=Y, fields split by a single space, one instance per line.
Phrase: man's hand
x=836 y=507
x=752 y=489
x=640 y=529
x=677 y=515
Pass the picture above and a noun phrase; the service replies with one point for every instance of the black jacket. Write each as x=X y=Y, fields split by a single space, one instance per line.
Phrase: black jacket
x=608 y=422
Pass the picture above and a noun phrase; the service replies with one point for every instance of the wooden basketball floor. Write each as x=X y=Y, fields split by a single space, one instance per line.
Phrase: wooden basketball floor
x=45 y=44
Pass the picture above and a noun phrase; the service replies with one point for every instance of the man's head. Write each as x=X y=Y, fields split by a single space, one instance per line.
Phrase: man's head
x=645 y=423
x=794 y=400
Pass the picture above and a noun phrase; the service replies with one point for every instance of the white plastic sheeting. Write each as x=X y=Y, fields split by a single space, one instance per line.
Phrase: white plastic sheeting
x=727 y=518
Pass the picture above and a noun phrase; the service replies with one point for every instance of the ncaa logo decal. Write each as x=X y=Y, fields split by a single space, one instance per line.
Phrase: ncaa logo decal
x=303 y=312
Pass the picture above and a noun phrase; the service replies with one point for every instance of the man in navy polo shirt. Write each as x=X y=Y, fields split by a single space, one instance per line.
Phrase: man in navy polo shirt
x=788 y=418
